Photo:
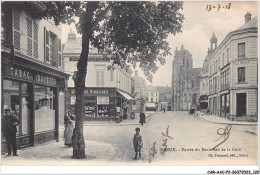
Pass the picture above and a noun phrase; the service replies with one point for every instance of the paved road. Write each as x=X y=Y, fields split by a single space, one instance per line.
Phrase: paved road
x=113 y=144
x=188 y=133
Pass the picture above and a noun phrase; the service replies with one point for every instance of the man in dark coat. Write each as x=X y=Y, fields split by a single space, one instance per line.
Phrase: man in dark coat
x=9 y=123
x=142 y=118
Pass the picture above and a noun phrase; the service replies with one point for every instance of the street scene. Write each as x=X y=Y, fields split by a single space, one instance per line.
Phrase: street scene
x=129 y=83
x=114 y=144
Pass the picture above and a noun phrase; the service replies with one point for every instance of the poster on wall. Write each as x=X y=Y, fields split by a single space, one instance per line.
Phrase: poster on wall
x=102 y=100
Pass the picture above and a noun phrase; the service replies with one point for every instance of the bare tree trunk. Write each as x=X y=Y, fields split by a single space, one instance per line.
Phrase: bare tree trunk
x=86 y=28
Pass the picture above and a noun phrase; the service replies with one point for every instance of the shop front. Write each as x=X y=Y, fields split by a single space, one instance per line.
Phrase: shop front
x=33 y=97
x=101 y=103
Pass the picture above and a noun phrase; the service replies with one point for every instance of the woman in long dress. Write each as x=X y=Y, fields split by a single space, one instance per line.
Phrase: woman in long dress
x=69 y=125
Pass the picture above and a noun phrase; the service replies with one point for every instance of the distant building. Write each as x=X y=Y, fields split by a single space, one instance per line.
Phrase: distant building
x=204 y=75
x=139 y=86
x=165 y=99
x=105 y=89
x=185 y=81
x=233 y=74
x=152 y=94
x=33 y=80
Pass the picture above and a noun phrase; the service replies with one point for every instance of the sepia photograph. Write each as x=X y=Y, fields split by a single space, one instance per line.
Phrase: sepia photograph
x=130 y=84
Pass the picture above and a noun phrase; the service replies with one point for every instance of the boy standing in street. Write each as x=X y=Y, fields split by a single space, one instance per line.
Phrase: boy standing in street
x=138 y=143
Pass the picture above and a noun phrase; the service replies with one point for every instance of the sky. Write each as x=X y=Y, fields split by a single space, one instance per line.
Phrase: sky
x=198 y=27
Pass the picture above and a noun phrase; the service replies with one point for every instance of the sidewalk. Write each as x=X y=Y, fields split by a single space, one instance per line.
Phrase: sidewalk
x=55 y=153
x=220 y=120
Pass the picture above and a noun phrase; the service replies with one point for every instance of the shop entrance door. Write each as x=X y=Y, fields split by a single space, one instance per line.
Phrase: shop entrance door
x=241 y=104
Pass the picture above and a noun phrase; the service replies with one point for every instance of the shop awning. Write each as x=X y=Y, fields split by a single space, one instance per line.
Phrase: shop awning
x=150 y=105
x=128 y=97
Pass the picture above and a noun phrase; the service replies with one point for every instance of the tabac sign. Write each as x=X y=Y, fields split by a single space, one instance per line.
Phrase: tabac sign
x=18 y=73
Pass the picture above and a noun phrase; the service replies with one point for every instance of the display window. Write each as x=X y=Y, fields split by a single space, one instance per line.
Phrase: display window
x=17 y=96
x=44 y=108
x=103 y=110
x=90 y=109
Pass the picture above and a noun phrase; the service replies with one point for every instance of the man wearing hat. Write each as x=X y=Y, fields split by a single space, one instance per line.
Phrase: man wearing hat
x=9 y=123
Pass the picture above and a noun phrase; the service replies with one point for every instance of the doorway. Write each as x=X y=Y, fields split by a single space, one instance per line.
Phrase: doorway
x=241 y=104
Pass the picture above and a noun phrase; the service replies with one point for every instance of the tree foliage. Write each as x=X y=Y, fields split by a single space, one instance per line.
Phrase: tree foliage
x=134 y=32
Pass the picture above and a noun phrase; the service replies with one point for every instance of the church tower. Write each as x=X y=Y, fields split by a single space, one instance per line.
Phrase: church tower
x=213 y=43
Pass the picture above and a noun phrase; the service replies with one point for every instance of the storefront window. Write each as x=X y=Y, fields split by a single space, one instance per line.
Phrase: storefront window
x=44 y=108
x=11 y=98
x=25 y=108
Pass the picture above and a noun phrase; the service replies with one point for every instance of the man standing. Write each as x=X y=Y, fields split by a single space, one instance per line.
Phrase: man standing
x=9 y=123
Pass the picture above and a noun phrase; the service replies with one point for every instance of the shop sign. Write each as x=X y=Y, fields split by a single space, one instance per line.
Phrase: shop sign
x=18 y=73
x=96 y=91
x=45 y=79
x=102 y=100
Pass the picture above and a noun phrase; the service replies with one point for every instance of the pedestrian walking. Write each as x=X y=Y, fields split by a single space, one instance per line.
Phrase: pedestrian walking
x=69 y=125
x=138 y=143
x=208 y=111
x=142 y=118
x=164 y=110
x=9 y=130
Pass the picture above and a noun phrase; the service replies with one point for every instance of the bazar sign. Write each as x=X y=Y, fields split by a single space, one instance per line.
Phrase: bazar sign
x=45 y=79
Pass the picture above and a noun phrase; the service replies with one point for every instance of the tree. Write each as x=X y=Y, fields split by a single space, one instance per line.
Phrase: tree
x=133 y=32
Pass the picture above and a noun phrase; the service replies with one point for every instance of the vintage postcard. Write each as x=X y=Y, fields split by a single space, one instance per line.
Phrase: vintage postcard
x=131 y=83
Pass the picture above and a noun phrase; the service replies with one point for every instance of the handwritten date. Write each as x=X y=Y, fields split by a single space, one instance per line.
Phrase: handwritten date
x=218 y=7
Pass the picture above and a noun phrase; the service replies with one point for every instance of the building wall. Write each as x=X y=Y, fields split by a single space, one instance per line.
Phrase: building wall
x=48 y=24
x=119 y=78
x=230 y=63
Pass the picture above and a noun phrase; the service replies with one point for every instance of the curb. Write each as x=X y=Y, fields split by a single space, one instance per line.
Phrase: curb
x=229 y=123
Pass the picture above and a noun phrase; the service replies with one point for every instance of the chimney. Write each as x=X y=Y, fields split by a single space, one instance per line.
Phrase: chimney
x=247 y=17
x=71 y=35
x=136 y=73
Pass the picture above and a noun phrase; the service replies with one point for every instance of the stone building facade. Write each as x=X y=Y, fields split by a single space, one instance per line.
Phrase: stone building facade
x=233 y=74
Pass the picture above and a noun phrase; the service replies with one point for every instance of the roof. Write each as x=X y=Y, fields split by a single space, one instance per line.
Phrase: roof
x=251 y=24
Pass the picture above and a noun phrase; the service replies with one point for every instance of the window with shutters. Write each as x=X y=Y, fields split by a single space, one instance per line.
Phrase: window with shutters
x=29 y=36
x=16 y=30
x=52 y=49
